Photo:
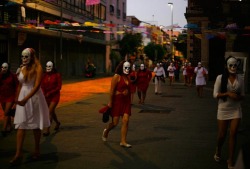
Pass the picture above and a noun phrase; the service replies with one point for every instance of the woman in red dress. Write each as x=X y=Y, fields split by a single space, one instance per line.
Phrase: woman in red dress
x=133 y=77
x=51 y=86
x=190 y=74
x=120 y=102
x=8 y=86
x=143 y=79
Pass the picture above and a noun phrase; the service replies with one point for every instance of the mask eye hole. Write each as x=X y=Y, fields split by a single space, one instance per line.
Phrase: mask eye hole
x=127 y=68
x=26 y=57
x=233 y=65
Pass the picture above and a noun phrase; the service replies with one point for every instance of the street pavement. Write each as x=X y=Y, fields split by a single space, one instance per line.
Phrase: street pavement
x=175 y=130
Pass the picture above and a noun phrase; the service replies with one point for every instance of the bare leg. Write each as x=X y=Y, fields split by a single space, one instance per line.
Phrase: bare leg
x=124 y=128
x=234 y=125
x=19 y=143
x=111 y=125
x=37 y=137
x=139 y=96
x=7 y=119
x=222 y=131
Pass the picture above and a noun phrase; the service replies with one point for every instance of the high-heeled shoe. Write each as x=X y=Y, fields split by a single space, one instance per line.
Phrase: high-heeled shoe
x=16 y=160
x=103 y=135
x=57 y=126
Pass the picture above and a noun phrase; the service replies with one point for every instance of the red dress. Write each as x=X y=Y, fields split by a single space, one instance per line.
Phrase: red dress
x=51 y=85
x=133 y=77
x=121 y=103
x=143 y=79
x=8 y=86
x=190 y=71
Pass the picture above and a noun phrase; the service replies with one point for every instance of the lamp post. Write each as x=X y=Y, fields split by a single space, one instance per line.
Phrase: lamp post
x=171 y=32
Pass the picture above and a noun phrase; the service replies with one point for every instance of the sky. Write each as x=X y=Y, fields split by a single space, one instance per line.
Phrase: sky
x=157 y=12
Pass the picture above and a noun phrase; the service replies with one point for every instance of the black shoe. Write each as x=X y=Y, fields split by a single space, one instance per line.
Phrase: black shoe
x=57 y=126
x=46 y=134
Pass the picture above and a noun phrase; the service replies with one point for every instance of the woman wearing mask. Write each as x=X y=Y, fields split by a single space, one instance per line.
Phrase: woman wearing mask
x=120 y=102
x=158 y=78
x=32 y=112
x=200 y=80
x=143 y=79
x=51 y=86
x=8 y=86
x=229 y=90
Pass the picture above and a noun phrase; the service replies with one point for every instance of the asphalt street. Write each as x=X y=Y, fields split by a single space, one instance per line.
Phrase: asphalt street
x=175 y=130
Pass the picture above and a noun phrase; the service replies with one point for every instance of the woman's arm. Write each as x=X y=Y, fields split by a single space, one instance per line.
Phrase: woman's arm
x=35 y=88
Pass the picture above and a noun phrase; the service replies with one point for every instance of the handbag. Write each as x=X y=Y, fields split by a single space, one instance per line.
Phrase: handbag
x=106 y=112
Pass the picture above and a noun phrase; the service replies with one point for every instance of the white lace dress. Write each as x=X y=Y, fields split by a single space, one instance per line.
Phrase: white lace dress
x=35 y=113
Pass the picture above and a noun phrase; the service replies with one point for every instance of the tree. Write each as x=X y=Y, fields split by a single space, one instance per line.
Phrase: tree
x=155 y=52
x=130 y=43
x=181 y=44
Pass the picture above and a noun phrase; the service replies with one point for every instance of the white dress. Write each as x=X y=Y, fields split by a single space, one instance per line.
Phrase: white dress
x=229 y=109
x=35 y=113
x=200 y=78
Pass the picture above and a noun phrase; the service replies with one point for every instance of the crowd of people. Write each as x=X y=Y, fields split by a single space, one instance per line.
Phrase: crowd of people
x=33 y=95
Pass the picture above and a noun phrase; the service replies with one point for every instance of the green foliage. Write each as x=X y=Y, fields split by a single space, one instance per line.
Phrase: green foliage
x=129 y=43
x=181 y=44
x=155 y=52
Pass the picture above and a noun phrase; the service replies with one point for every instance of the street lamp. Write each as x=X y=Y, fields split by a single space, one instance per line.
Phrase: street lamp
x=171 y=32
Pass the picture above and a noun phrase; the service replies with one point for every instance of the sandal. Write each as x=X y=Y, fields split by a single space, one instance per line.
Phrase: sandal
x=16 y=160
x=217 y=158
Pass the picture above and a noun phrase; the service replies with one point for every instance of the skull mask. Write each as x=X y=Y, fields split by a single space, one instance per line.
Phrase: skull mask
x=142 y=66
x=49 y=66
x=5 y=67
x=26 y=56
x=232 y=65
x=133 y=67
x=126 y=67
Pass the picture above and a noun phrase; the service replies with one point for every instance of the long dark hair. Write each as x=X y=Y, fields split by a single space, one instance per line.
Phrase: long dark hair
x=119 y=68
x=54 y=70
x=224 y=78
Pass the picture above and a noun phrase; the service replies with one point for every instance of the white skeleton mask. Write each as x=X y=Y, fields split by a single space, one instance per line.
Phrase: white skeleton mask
x=199 y=64
x=126 y=67
x=232 y=65
x=5 y=67
x=49 y=66
x=142 y=66
x=26 y=56
x=133 y=67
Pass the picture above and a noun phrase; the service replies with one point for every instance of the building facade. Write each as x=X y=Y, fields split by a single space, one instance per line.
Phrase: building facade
x=69 y=32
x=216 y=28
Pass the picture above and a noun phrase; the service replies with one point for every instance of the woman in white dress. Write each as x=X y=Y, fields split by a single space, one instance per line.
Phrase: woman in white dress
x=171 y=69
x=229 y=90
x=32 y=112
x=200 y=80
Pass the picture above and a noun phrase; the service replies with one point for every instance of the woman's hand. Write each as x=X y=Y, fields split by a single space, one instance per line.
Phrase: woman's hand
x=110 y=105
x=22 y=102
x=233 y=95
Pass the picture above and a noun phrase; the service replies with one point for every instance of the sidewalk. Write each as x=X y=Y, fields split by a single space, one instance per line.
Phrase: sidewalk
x=175 y=130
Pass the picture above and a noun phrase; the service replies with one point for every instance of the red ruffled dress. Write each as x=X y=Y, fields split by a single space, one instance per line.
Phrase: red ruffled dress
x=8 y=86
x=121 y=103
x=143 y=79
x=51 y=85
